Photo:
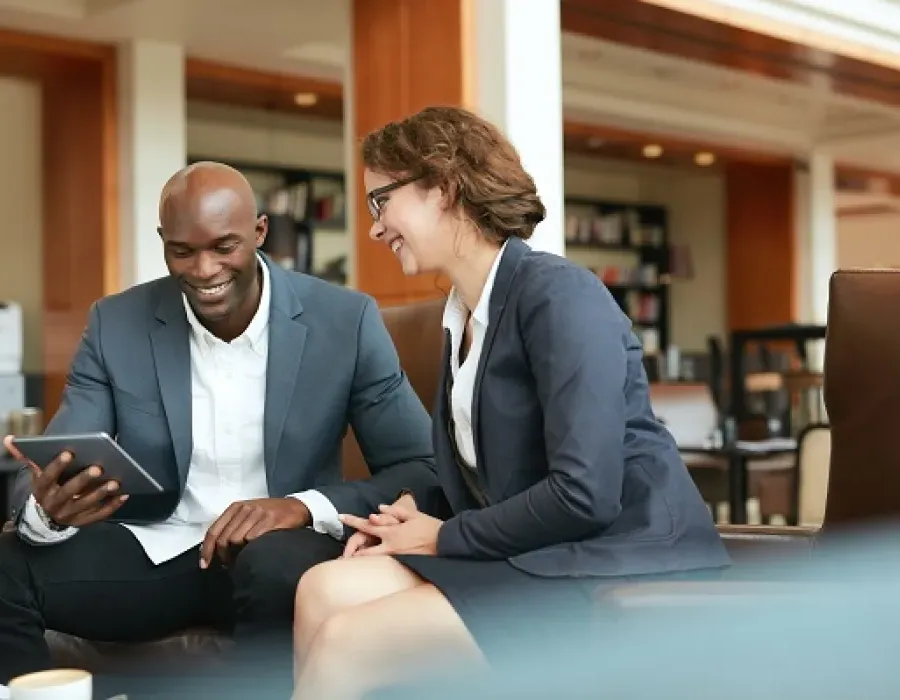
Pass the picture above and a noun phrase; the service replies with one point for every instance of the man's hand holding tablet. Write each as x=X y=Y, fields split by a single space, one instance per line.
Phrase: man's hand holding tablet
x=82 y=500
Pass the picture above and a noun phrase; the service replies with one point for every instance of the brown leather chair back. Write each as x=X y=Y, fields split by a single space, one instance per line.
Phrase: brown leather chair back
x=418 y=335
x=862 y=394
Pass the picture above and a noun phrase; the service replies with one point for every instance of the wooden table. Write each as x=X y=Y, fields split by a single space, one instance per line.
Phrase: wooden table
x=737 y=456
x=800 y=334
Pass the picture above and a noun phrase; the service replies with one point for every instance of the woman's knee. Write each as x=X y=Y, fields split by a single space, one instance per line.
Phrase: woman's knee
x=335 y=634
x=319 y=592
x=337 y=585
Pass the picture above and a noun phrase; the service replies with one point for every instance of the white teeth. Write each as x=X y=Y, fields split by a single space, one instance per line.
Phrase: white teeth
x=210 y=291
x=395 y=246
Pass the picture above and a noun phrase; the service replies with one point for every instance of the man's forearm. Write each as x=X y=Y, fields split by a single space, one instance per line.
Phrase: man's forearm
x=364 y=496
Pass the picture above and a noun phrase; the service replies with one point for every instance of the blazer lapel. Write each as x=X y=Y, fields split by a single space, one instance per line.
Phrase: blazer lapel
x=170 y=342
x=287 y=338
x=512 y=254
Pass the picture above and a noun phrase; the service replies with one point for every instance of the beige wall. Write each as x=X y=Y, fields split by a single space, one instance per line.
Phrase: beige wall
x=21 y=237
x=869 y=241
x=695 y=201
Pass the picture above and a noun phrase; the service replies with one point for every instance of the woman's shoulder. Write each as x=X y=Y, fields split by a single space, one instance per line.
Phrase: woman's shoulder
x=544 y=276
x=567 y=295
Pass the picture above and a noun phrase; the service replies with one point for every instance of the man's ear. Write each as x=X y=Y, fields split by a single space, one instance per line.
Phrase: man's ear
x=262 y=229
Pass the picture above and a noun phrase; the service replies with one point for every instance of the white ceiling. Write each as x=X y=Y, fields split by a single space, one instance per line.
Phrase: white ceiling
x=306 y=37
x=604 y=83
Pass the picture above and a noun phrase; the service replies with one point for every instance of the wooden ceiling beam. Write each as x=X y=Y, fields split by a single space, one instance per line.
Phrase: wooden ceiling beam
x=667 y=31
x=244 y=87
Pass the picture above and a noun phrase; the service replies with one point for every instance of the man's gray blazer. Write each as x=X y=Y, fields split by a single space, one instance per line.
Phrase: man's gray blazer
x=331 y=364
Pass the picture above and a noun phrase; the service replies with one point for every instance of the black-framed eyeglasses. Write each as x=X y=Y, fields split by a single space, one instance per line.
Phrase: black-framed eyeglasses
x=376 y=199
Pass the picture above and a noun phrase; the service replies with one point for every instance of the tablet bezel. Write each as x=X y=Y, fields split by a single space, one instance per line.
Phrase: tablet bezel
x=90 y=449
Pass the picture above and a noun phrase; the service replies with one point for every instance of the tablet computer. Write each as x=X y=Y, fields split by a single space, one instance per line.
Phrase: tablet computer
x=87 y=450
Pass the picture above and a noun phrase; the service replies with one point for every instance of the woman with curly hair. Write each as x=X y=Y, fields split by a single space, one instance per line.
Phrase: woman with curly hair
x=558 y=478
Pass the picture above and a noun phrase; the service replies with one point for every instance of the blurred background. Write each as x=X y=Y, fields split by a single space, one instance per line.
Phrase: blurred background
x=713 y=161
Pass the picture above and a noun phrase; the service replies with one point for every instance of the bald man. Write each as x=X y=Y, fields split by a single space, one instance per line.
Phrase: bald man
x=232 y=382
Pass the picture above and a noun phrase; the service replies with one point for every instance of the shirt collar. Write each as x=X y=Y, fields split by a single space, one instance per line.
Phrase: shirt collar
x=455 y=311
x=254 y=334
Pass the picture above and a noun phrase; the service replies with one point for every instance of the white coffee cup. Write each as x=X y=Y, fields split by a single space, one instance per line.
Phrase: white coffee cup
x=56 y=684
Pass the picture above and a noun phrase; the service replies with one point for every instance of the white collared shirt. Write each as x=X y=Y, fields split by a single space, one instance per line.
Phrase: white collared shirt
x=228 y=394
x=463 y=389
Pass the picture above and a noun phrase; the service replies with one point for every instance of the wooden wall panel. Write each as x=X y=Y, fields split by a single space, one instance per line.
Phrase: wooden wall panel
x=80 y=181
x=245 y=87
x=407 y=54
x=80 y=251
x=760 y=228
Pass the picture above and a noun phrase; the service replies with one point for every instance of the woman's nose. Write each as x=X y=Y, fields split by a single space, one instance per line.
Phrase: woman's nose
x=376 y=232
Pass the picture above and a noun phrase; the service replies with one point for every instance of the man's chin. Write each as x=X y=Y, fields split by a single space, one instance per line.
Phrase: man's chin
x=211 y=312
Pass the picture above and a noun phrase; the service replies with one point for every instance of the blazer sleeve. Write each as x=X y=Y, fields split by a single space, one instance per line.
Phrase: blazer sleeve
x=87 y=403
x=575 y=336
x=392 y=428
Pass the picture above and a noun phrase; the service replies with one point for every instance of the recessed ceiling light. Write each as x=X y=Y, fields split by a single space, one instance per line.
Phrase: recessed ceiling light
x=704 y=158
x=653 y=150
x=305 y=99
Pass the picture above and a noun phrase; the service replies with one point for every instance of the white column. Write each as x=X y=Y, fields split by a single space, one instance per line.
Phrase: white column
x=816 y=245
x=152 y=128
x=514 y=79
x=822 y=248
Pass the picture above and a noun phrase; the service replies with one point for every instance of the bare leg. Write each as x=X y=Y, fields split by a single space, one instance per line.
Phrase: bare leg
x=334 y=586
x=384 y=641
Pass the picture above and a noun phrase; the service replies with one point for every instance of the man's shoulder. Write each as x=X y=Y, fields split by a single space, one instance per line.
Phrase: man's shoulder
x=320 y=295
x=135 y=303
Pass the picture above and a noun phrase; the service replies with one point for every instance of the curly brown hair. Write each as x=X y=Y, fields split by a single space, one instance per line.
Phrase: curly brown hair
x=473 y=163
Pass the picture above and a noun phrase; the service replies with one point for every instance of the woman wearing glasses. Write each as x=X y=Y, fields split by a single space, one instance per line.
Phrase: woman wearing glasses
x=556 y=474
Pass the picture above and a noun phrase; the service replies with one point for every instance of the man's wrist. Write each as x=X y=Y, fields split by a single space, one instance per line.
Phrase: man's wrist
x=45 y=518
x=304 y=517
x=322 y=515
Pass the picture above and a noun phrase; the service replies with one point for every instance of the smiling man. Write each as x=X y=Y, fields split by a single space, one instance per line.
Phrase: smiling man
x=232 y=382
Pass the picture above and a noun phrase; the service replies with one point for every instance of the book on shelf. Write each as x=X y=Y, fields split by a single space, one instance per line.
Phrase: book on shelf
x=642 y=307
x=616 y=229
x=646 y=275
x=649 y=338
x=330 y=208
x=289 y=201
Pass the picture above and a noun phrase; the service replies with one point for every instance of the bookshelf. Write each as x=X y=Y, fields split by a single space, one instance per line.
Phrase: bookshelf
x=306 y=209
x=627 y=246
